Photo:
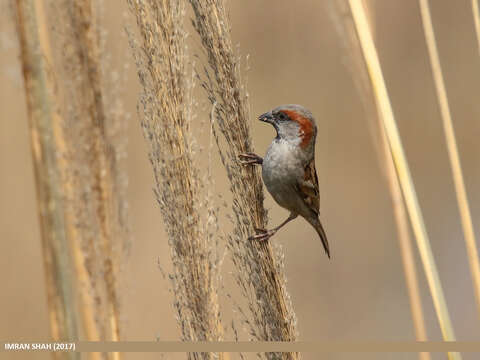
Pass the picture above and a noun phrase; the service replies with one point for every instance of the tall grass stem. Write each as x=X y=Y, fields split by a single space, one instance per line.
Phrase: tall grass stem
x=403 y=171
x=476 y=20
x=460 y=190
x=56 y=251
x=343 y=21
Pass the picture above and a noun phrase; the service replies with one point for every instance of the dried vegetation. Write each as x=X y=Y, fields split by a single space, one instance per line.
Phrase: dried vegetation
x=259 y=271
x=82 y=180
x=165 y=109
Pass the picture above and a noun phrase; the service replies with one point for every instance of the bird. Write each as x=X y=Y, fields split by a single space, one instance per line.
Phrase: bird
x=288 y=168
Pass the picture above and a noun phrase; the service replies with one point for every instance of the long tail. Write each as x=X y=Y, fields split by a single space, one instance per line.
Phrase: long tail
x=321 y=232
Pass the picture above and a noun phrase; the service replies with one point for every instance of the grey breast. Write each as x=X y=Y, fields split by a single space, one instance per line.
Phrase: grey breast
x=280 y=172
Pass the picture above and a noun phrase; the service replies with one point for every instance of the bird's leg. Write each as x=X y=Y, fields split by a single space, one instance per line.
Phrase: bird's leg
x=264 y=235
x=250 y=159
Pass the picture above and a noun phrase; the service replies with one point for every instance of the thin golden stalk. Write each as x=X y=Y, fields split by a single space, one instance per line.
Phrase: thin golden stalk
x=460 y=190
x=406 y=249
x=476 y=19
x=56 y=254
x=359 y=71
x=401 y=222
x=403 y=171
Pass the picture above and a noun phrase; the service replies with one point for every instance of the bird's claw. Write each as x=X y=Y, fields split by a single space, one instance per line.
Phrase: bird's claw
x=262 y=235
x=249 y=159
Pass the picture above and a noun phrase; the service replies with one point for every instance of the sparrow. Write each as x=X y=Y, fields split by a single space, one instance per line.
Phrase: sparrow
x=288 y=169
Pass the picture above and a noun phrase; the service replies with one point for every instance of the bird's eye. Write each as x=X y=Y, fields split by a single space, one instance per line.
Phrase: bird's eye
x=282 y=116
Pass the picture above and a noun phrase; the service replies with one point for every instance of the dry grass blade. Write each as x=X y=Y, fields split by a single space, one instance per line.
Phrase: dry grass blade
x=92 y=177
x=165 y=110
x=259 y=273
x=454 y=157
x=476 y=19
x=403 y=172
x=102 y=162
x=406 y=250
x=343 y=19
x=56 y=254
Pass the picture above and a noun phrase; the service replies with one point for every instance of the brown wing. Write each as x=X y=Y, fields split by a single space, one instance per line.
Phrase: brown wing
x=309 y=188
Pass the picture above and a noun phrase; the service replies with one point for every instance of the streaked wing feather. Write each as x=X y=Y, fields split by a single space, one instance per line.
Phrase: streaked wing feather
x=309 y=189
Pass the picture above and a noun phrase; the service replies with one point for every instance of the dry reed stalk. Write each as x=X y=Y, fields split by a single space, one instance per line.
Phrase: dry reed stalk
x=259 y=273
x=165 y=108
x=101 y=159
x=342 y=17
x=44 y=134
x=476 y=19
x=92 y=179
x=460 y=190
x=403 y=171
x=406 y=250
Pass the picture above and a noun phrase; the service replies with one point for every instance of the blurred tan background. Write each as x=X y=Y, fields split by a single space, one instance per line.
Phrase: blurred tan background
x=295 y=57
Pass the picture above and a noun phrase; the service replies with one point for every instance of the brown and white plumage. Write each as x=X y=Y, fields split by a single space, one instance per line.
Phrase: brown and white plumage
x=288 y=169
x=309 y=187
x=310 y=191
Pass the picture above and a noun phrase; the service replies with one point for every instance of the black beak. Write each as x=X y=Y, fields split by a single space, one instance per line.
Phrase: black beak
x=267 y=117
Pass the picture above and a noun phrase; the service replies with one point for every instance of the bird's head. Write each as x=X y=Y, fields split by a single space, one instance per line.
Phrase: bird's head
x=293 y=123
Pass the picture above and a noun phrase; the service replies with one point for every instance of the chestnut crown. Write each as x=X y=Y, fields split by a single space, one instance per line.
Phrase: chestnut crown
x=292 y=122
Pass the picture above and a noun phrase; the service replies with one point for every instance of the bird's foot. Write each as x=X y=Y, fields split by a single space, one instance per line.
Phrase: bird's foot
x=250 y=159
x=262 y=234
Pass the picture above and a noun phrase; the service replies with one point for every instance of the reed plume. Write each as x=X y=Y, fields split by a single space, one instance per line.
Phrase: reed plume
x=166 y=113
x=259 y=271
